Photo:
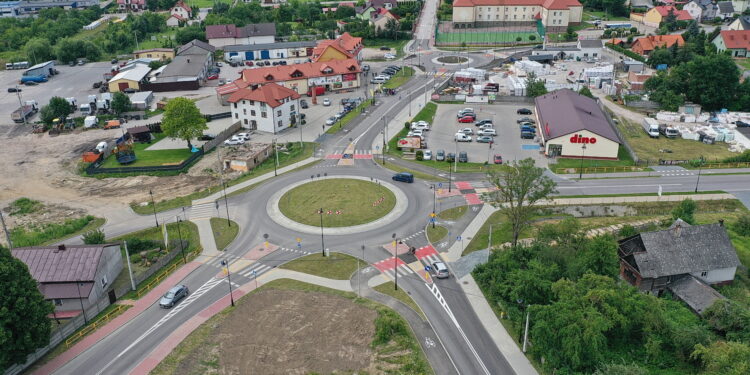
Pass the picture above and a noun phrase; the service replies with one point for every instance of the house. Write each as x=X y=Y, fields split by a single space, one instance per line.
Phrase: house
x=270 y=107
x=195 y=46
x=740 y=5
x=636 y=80
x=644 y=46
x=726 y=10
x=737 y=42
x=385 y=4
x=245 y=157
x=590 y=48
x=296 y=52
x=555 y=15
x=632 y=66
x=364 y=12
x=72 y=277
x=332 y=75
x=585 y=49
x=227 y=35
x=131 y=5
x=701 y=10
x=129 y=79
x=343 y=47
x=9 y=9
x=155 y=53
x=181 y=9
x=187 y=71
x=381 y=17
x=656 y=15
x=683 y=258
x=741 y=23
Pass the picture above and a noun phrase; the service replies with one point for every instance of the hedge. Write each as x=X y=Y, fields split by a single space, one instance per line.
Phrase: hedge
x=626 y=52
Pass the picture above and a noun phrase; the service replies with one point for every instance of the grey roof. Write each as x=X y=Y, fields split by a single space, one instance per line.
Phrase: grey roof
x=564 y=111
x=541 y=57
x=685 y=249
x=280 y=45
x=141 y=96
x=196 y=43
x=232 y=31
x=632 y=62
x=184 y=66
x=696 y=294
x=642 y=4
x=725 y=7
x=703 y=3
x=62 y=263
x=590 y=43
x=744 y=22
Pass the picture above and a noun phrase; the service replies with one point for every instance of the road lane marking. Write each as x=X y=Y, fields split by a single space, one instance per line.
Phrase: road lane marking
x=611 y=186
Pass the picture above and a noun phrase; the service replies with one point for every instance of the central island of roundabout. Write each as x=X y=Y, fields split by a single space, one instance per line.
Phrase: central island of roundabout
x=340 y=204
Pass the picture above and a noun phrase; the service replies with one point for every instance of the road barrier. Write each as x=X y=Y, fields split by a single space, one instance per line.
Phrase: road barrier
x=91 y=327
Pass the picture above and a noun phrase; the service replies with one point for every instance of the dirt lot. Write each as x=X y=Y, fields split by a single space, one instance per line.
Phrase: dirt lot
x=287 y=332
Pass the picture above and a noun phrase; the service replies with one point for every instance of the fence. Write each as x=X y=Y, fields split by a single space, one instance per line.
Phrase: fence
x=642 y=104
x=95 y=167
x=624 y=141
x=221 y=137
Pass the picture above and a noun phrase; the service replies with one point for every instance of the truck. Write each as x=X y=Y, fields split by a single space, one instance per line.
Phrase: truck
x=102 y=106
x=651 y=126
x=90 y=122
x=37 y=79
x=73 y=103
x=668 y=131
x=25 y=111
x=86 y=109
x=319 y=90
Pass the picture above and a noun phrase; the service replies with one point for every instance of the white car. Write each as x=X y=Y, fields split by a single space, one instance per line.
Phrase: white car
x=234 y=141
x=422 y=127
x=487 y=132
x=486 y=126
x=426 y=155
x=243 y=136
x=331 y=121
x=389 y=56
x=326 y=102
x=461 y=137
x=415 y=133
x=467 y=131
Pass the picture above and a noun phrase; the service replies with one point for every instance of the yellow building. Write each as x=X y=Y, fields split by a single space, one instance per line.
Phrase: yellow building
x=129 y=78
x=656 y=15
x=155 y=53
x=555 y=15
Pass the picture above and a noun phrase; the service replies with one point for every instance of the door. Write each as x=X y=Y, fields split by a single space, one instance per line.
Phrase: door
x=249 y=55
x=122 y=86
x=264 y=54
x=112 y=297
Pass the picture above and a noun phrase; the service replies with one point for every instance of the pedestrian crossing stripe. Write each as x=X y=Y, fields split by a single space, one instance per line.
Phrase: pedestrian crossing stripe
x=202 y=211
x=259 y=269
x=403 y=271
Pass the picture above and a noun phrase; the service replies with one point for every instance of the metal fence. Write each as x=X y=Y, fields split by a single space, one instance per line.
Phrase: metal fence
x=95 y=167
x=617 y=131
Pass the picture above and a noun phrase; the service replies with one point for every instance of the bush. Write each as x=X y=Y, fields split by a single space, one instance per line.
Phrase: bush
x=518 y=39
x=685 y=211
x=627 y=231
x=94 y=237
x=135 y=258
x=626 y=52
x=388 y=325
x=407 y=125
x=23 y=206
x=420 y=155
x=742 y=226
x=532 y=37
x=741 y=158
x=136 y=245
x=38 y=235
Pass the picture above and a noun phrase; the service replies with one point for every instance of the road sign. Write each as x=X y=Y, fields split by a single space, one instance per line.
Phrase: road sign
x=298 y=239
x=299 y=244
x=458 y=238
x=432 y=214
x=255 y=274
x=432 y=220
x=427 y=268
x=440 y=184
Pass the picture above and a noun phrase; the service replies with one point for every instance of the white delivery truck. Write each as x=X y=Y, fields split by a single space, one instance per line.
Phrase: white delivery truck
x=651 y=126
x=90 y=122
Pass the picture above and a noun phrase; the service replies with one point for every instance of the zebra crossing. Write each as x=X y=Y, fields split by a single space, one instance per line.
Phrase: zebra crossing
x=671 y=174
x=254 y=270
x=216 y=261
x=427 y=255
x=389 y=267
x=296 y=251
x=413 y=235
x=202 y=211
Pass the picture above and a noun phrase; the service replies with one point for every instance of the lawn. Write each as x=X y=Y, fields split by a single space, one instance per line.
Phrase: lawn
x=344 y=202
x=224 y=233
x=349 y=117
x=157 y=40
x=49 y=233
x=205 y=3
x=624 y=160
x=487 y=37
x=437 y=233
x=454 y=213
x=647 y=148
x=590 y=15
x=150 y=158
x=396 y=46
x=743 y=63
x=400 y=78
x=389 y=289
x=336 y=266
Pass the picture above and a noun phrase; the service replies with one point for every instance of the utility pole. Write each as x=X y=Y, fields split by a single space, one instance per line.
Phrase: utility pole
x=182 y=246
x=322 y=241
x=434 y=196
x=276 y=156
x=229 y=279
x=489 y=241
x=153 y=205
x=7 y=235
x=700 y=166
x=130 y=270
x=526 y=331
x=224 y=186
x=80 y=299
x=395 y=259
x=135 y=33
x=20 y=102
x=384 y=144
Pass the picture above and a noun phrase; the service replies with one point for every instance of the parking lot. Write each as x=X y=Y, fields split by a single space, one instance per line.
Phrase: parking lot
x=507 y=143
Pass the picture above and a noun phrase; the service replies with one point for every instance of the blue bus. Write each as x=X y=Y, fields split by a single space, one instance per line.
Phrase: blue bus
x=618 y=26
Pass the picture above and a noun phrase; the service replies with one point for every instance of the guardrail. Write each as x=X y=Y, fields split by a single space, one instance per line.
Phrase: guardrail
x=726 y=165
x=91 y=327
x=599 y=170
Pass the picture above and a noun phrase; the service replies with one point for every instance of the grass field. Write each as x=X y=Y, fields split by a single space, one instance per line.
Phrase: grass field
x=336 y=266
x=454 y=213
x=150 y=158
x=349 y=117
x=349 y=201
x=390 y=290
x=590 y=15
x=400 y=78
x=436 y=234
x=497 y=37
x=624 y=160
x=224 y=233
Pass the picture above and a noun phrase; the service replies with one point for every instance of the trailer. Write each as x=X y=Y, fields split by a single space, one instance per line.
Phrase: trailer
x=25 y=111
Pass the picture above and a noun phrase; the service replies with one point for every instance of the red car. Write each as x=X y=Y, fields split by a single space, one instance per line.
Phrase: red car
x=498 y=159
x=467 y=119
x=249 y=63
x=213 y=76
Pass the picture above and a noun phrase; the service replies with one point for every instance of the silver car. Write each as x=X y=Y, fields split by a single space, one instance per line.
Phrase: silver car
x=173 y=296
x=440 y=270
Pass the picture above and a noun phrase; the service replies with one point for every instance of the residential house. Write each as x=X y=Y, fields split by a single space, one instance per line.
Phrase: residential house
x=268 y=107
x=131 y=5
x=381 y=17
x=741 y=23
x=386 y=4
x=155 y=53
x=644 y=46
x=291 y=52
x=179 y=14
x=735 y=41
x=187 y=71
x=740 y=5
x=701 y=10
x=72 y=277
x=726 y=10
x=365 y=12
x=195 y=46
x=636 y=80
x=345 y=46
x=585 y=49
x=555 y=15
x=656 y=15
x=227 y=35
x=684 y=259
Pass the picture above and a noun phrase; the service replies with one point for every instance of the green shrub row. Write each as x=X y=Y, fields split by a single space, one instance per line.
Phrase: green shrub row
x=38 y=235
x=626 y=52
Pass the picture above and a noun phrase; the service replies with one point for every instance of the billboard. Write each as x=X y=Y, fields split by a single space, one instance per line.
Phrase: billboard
x=409 y=142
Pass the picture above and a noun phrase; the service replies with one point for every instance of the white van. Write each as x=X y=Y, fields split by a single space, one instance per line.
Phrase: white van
x=379 y=80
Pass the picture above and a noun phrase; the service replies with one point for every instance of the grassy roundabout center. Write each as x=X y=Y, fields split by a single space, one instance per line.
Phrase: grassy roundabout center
x=345 y=202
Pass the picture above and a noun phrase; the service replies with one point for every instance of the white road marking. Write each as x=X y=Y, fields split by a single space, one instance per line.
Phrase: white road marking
x=608 y=186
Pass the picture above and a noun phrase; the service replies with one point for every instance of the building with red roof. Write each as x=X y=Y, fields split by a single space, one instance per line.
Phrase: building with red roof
x=555 y=15
x=737 y=42
x=344 y=47
x=180 y=13
x=269 y=107
x=656 y=15
x=644 y=46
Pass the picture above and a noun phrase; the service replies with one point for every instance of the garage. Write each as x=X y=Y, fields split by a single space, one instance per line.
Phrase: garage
x=572 y=125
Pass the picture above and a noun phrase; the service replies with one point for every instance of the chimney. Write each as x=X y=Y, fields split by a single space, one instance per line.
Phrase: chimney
x=677 y=230
x=188 y=60
x=721 y=222
x=60 y=248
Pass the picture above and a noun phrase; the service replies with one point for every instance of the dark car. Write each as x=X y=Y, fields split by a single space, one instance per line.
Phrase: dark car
x=303 y=104
x=129 y=90
x=450 y=158
x=526 y=119
x=527 y=135
x=394 y=67
x=463 y=157
x=14 y=89
x=440 y=155
x=173 y=296
x=498 y=159
x=365 y=68
x=483 y=122
x=740 y=124
x=30 y=83
x=530 y=129
x=114 y=61
x=523 y=111
x=384 y=48
x=207 y=137
x=484 y=139
x=403 y=177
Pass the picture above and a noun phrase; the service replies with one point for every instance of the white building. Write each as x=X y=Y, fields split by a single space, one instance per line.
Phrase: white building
x=229 y=35
x=555 y=15
x=269 y=108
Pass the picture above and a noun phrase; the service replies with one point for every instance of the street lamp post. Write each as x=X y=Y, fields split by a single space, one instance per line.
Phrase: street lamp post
x=80 y=299
x=182 y=246
x=223 y=185
x=276 y=156
x=580 y=171
x=229 y=279
x=434 y=197
x=322 y=241
x=395 y=260
x=700 y=166
x=385 y=126
x=7 y=234
x=153 y=205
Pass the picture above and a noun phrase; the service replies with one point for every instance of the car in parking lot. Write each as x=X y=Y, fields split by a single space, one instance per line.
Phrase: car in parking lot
x=485 y=139
x=213 y=76
x=173 y=296
x=487 y=131
x=326 y=102
x=527 y=135
x=365 y=68
x=414 y=132
x=379 y=79
x=463 y=157
x=303 y=104
x=498 y=159
x=467 y=131
x=243 y=136
x=14 y=89
x=450 y=158
x=461 y=137
x=486 y=126
x=403 y=177
x=421 y=125
x=440 y=270
x=394 y=67
x=389 y=56
x=526 y=119
x=483 y=122
x=235 y=140
x=207 y=137
x=426 y=155
x=331 y=121
x=385 y=48
x=466 y=112
x=440 y=155
x=466 y=119
x=523 y=111
x=527 y=128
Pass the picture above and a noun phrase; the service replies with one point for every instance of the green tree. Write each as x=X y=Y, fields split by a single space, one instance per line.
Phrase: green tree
x=660 y=56
x=60 y=108
x=724 y=358
x=742 y=226
x=599 y=255
x=38 y=50
x=620 y=369
x=585 y=91
x=685 y=211
x=183 y=120
x=94 y=237
x=187 y=34
x=534 y=86
x=24 y=325
x=120 y=103
x=520 y=186
x=47 y=115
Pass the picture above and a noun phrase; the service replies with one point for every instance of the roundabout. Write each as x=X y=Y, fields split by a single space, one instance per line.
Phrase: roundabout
x=452 y=59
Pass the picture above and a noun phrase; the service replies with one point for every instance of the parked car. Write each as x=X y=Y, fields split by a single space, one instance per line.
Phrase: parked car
x=14 y=89
x=530 y=129
x=403 y=177
x=463 y=157
x=173 y=296
x=527 y=135
x=440 y=270
x=487 y=131
x=207 y=137
x=461 y=137
x=365 y=68
x=389 y=56
x=385 y=48
x=485 y=139
x=426 y=155
x=466 y=119
x=219 y=64
x=415 y=133
x=213 y=76
x=465 y=112
x=440 y=155
x=524 y=111
x=527 y=124
x=498 y=159
x=394 y=67
x=303 y=104
x=450 y=158
x=326 y=102
x=486 y=126
x=129 y=90
x=467 y=131
x=526 y=119
x=234 y=141
x=243 y=136
x=483 y=122
x=420 y=126
x=114 y=61
x=378 y=79
x=331 y=121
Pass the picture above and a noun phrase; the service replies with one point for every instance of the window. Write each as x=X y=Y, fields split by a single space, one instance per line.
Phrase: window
x=244 y=111
x=497 y=16
x=252 y=112
x=291 y=108
x=236 y=115
x=104 y=281
x=480 y=16
x=58 y=302
x=263 y=114
x=235 y=105
x=280 y=124
x=262 y=105
x=245 y=121
x=278 y=113
x=704 y=273
x=514 y=16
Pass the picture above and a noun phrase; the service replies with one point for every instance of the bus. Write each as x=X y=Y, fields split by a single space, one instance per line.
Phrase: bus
x=618 y=26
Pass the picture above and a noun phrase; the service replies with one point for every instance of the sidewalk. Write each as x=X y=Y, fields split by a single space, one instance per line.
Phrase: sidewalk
x=206 y=235
x=685 y=172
